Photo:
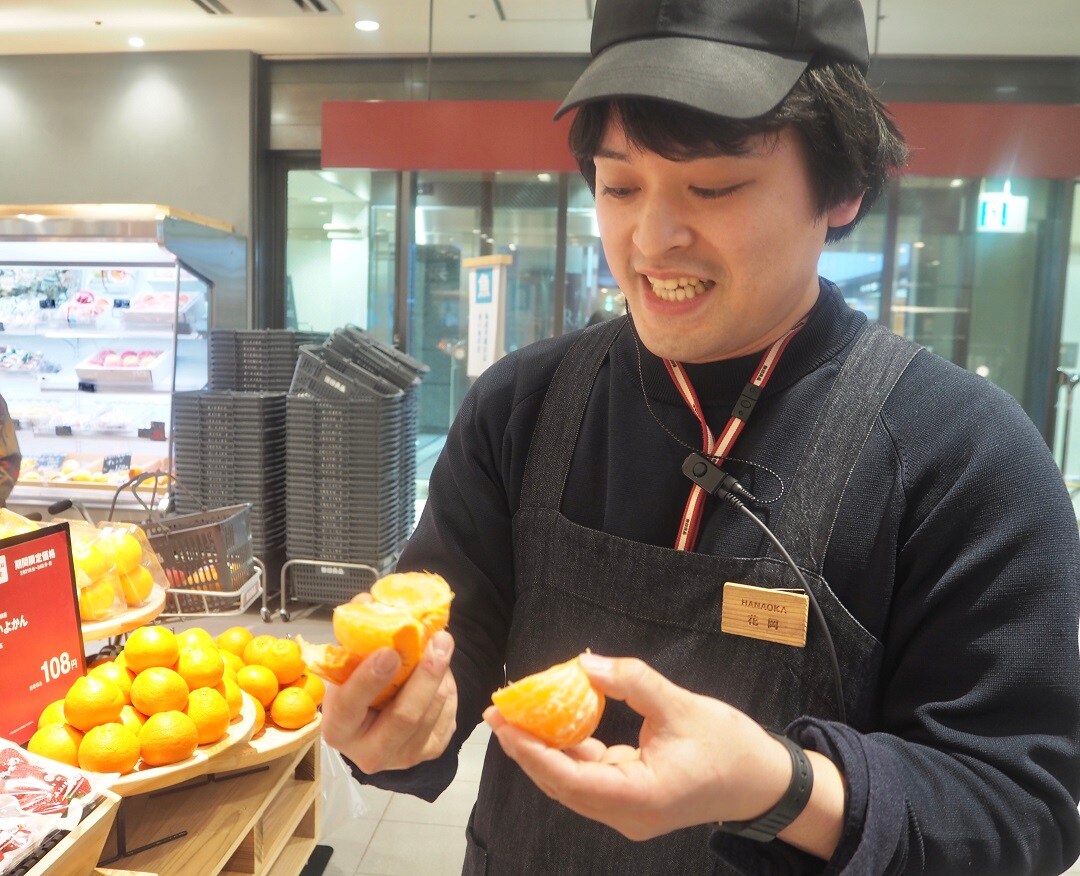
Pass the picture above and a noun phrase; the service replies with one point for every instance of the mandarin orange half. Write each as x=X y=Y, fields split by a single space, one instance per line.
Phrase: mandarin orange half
x=425 y=595
x=559 y=705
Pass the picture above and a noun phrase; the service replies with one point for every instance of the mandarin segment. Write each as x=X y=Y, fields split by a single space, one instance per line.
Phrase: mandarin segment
x=559 y=705
x=364 y=628
x=425 y=595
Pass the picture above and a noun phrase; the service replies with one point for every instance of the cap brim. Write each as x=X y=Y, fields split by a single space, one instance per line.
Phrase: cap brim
x=717 y=78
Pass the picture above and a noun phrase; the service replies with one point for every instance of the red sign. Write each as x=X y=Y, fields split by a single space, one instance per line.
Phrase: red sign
x=41 y=645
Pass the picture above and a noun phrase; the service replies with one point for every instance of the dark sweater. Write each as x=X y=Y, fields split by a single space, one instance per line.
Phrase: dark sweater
x=955 y=545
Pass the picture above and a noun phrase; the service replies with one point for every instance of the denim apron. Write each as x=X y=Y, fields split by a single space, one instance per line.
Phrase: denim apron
x=577 y=588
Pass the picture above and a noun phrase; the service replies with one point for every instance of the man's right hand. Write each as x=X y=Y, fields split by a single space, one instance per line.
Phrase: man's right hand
x=414 y=726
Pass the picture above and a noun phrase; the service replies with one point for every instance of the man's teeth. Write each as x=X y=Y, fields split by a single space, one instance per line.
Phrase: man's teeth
x=680 y=289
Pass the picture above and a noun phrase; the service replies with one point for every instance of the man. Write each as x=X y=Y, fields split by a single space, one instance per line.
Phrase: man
x=10 y=458
x=914 y=724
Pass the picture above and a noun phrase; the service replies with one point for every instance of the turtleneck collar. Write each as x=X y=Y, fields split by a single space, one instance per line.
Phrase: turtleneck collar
x=831 y=326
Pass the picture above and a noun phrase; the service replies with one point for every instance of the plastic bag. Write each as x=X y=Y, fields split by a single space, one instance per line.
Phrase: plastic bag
x=342 y=795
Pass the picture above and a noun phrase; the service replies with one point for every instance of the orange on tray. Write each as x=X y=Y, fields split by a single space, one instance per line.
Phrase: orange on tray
x=559 y=705
x=402 y=612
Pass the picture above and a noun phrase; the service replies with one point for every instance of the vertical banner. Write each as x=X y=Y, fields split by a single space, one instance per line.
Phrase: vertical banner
x=41 y=645
x=487 y=310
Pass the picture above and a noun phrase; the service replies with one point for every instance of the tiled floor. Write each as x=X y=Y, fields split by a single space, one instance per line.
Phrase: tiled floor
x=397 y=833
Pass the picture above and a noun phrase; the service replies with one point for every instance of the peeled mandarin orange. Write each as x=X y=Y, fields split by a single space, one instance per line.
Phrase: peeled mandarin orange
x=58 y=742
x=168 y=737
x=293 y=708
x=132 y=718
x=194 y=636
x=258 y=648
x=52 y=714
x=150 y=646
x=91 y=701
x=137 y=585
x=425 y=595
x=208 y=709
x=200 y=665
x=365 y=627
x=259 y=682
x=158 y=689
x=234 y=639
x=312 y=684
x=118 y=675
x=109 y=748
x=283 y=658
x=559 y=705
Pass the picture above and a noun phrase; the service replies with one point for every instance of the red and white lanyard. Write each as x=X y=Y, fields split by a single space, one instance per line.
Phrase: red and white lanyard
x=719 y=447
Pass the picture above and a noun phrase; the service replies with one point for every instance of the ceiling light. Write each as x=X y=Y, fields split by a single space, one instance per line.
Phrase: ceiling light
x=136 y=42
x=319 y=199
x=956 y=183
x=367 y=25
x=919 y=244
x=544 y=177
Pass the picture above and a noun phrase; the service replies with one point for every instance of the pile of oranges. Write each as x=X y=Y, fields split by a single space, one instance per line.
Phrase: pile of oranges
x=166 y=694
x=273 y=673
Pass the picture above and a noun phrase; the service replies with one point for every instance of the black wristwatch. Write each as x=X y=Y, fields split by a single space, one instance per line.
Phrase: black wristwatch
x=765 y=827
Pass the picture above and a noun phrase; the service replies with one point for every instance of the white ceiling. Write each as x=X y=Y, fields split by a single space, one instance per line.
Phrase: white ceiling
x=471 y=27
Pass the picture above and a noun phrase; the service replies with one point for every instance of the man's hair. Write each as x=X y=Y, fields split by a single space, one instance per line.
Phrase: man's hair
x=850 y=142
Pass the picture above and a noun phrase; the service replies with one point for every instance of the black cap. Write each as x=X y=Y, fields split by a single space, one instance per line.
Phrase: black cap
x=736 y=58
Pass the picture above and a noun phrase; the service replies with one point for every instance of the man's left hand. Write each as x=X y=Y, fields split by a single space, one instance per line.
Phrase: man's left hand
x=698 y=759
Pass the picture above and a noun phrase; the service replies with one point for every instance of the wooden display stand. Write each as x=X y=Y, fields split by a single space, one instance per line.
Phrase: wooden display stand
x=256 y=813
x=76 y=854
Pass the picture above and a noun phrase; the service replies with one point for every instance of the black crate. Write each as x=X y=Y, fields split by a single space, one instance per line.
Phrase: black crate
x=329 y=584
x=324 y=373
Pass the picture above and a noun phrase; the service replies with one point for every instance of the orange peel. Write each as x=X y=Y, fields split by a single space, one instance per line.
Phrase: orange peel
x=402 y=611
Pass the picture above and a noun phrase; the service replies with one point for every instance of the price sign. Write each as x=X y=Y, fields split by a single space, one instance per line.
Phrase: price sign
x=50 y=461
x=41 y=645
x=121 y=304
x=116 y=463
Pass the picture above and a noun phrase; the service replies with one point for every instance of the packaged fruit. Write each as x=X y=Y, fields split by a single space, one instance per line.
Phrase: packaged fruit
x=401 y=611
x=559 y=705
x=137 y=565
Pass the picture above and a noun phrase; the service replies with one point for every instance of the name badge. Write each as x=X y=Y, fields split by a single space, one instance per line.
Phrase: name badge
x=761 y=613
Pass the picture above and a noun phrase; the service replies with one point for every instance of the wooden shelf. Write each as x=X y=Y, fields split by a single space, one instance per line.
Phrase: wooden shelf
x=241 y=824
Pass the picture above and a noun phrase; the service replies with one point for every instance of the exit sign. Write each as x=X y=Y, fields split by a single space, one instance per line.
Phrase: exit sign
x=1002 y=212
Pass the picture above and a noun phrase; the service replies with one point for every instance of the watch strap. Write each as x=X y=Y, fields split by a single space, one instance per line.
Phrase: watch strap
x=765 y=827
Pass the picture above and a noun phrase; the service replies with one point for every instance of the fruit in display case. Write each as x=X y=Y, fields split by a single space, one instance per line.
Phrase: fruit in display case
x=401 y=611
x=12 y=524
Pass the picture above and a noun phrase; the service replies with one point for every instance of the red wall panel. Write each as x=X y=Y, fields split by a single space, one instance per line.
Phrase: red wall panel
x=969 y=140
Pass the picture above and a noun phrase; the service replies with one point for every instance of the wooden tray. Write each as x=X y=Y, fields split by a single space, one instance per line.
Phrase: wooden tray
x=270 y=744
x=126 y=620
x=145 y=779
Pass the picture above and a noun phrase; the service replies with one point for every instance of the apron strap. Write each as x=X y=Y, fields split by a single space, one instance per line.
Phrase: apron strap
x=874 y=365
x=555 y=437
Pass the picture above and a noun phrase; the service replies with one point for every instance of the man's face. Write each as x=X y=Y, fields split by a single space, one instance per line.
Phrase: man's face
x=717 y=256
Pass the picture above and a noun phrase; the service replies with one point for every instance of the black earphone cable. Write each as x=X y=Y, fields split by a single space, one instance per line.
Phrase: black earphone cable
x=729 y=496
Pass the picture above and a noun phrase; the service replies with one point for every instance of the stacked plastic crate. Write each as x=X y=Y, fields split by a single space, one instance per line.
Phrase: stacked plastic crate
x=261 y=360
x=230 y=449
x=404 y=372
x=230 y=440
x=348 y=445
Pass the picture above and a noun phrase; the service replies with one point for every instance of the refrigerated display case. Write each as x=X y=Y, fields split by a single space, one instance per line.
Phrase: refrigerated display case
x=104 y=314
